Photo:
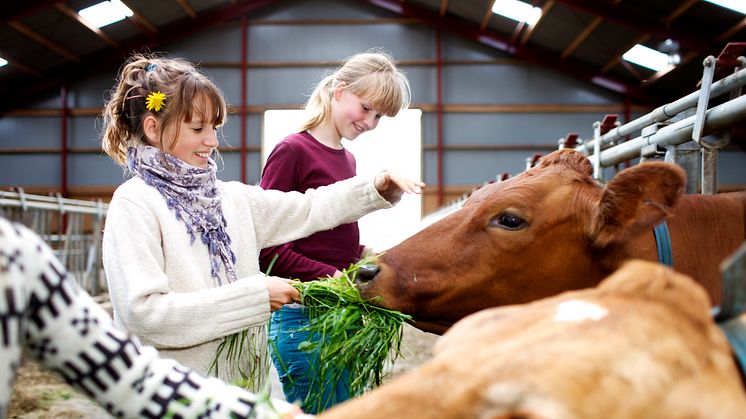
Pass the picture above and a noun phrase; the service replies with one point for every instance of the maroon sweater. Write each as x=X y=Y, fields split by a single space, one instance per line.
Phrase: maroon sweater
x=297 y=163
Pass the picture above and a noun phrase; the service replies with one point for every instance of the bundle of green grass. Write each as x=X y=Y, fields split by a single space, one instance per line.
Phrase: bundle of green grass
x=352 y=335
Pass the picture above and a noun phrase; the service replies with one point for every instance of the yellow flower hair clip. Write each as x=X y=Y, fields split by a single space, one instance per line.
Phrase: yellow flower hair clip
x=155 y=101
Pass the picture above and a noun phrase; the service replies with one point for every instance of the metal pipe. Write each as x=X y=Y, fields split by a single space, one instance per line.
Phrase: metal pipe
x=244 y=95
x=63 y=141
x=439 y=112
x=716 y=119
x=667 y=111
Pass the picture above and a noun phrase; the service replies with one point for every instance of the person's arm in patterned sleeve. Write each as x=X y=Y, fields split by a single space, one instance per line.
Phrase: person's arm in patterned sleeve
x=45 y=312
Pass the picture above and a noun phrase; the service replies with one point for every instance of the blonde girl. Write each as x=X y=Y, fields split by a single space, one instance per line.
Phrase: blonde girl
x=344 y=104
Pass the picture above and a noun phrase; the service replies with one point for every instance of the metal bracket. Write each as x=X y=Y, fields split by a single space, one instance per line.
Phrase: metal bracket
x=704 y=98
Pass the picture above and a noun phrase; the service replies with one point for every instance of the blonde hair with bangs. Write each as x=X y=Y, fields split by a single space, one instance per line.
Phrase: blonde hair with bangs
x=369 y=75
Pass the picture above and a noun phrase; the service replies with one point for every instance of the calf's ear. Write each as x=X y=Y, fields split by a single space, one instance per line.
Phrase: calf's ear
x=636 y=199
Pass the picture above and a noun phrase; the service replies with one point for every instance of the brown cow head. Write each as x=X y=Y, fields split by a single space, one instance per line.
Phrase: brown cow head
x=548 y=230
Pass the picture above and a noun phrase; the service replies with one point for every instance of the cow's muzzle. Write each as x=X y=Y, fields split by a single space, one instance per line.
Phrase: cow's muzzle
x=366 y=273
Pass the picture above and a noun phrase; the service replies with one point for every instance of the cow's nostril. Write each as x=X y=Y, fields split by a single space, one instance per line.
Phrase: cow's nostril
x=366 y=273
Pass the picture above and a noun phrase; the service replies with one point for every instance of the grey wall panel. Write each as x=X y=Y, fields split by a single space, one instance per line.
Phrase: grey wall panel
x=253 y=168
x=455 y=48
x=229 y=81
x=230 y=167
x=422 y=81
x=335 y=42
x=506 y=84
x=508 y=128
x=93 y=93
x=84 y=132
x=93 y=170
x=30 y=170
x=323 y=9
x=731 y=167
x=282 y=85
x=429 y=128
x=470 y=167
x=474 y=167
x=219 y=44
x=29 y=132
x=230 y=134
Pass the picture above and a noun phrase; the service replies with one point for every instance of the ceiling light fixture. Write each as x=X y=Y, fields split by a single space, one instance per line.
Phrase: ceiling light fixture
x=517 y=10
x=646 y=57
x=3 y=62
x=105 y=13
x=737 y=5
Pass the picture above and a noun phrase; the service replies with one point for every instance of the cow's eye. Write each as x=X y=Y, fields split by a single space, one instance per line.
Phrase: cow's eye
x=508 y=221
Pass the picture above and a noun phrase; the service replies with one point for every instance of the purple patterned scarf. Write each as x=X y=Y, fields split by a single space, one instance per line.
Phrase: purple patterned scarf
x=191 y=192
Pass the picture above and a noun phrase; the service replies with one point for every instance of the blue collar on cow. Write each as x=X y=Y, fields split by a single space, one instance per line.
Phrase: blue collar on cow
x=663 y=243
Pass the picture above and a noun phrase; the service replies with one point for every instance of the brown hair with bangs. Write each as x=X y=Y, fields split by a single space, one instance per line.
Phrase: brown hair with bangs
x=371 y=75
x=189 y=93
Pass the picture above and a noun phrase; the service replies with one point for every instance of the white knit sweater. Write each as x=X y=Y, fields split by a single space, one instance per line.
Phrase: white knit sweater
x=47 y=316
x=160 y=284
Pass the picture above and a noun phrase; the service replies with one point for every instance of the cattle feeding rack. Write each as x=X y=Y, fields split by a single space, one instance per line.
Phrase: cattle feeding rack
x=687 y=131
x=72 y=228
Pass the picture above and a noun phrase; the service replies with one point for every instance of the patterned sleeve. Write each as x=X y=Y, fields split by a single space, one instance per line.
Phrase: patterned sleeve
x=44 y=311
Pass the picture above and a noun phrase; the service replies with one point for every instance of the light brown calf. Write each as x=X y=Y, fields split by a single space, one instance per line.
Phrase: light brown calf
x=640 y=345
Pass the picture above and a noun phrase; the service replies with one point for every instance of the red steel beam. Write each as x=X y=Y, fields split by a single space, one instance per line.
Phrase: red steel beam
x=244 y=94
x=439 y=113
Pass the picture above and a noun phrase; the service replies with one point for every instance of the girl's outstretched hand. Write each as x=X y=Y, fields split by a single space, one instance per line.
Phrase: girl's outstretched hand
x=392 y=185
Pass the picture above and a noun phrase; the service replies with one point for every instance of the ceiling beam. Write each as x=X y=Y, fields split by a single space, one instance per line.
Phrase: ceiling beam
x=545 y=9
x=545 y=58
x=72 y=14
x=443 y=7
x=139 y=20
x=487 y=15
x=43 y=40
x=675 y=13
x=111 y=59
x=644 y=24
x=20 y=66
x=188 y=9
x=18 y=10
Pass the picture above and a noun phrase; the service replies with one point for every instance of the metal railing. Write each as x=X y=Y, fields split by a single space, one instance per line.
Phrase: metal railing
x=687 y=132
x=72 y=228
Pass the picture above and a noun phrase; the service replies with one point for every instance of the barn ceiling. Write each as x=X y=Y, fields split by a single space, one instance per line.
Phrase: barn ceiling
x=48 y=45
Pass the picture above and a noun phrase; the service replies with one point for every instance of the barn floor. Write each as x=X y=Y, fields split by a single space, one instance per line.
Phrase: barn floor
x=40 y=394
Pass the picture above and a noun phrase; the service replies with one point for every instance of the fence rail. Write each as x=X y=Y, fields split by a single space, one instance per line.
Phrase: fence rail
x=72 y=228
x=686 y=131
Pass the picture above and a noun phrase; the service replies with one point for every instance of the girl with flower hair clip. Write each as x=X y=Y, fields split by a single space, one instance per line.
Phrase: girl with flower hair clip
x=181 y=248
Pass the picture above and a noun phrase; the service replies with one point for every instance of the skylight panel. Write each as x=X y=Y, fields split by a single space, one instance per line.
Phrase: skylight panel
x=647 y=57
x=517 y=10
x=737 y=5
x=105 y=13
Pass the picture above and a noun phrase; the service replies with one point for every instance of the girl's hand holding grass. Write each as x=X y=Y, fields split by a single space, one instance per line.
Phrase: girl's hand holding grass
x=281 y=291
x=353 y=334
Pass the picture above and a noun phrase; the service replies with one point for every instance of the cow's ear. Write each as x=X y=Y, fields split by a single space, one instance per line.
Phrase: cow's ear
x=569 y=158
x=636 y=199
